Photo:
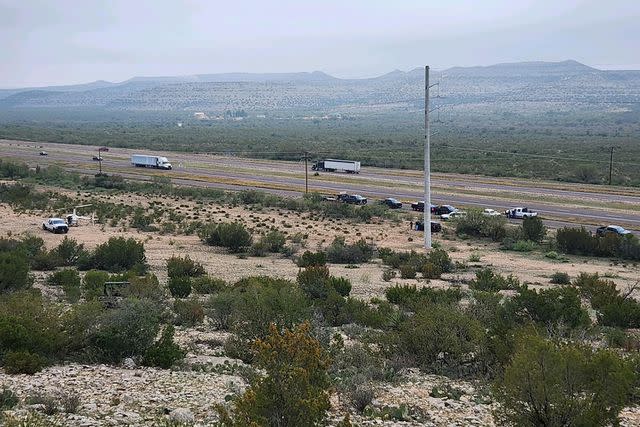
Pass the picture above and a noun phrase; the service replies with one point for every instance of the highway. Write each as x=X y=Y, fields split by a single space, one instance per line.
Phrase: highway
x=558 y=203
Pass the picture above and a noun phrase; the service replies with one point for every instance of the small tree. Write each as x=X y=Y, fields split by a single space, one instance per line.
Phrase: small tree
x=69 y=252
x=233 y=236
x=533 y=229
x=184 y=267
x=294 y=390
x=119 y=254
x=14 y=271
x=548 y=384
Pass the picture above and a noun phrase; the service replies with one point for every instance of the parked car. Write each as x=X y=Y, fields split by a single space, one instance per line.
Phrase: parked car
x=419 y=206
x=612 y=229
x=44 y=153
x=354 y=199
x=435 y=226
x=97 y=159
x=55 y=225
x=490 y=212
x=453 y=215
x=392 y=203
x=444 y=209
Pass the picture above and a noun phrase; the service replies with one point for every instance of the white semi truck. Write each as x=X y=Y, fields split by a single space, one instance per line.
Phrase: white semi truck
x=144 y=161
x=333 y=165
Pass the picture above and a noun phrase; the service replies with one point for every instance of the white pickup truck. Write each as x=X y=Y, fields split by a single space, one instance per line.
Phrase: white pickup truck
x=520 y=213
x=55 y=225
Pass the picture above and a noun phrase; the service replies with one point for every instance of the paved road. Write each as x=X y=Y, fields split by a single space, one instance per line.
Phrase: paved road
x=560 y=203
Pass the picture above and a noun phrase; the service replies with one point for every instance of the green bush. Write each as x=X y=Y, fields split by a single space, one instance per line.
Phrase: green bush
x=295 y=387
x=184 y=267
x=127 y=331
x=440 y=259
x=533 y=229
x=8 y=399
x=45 y=261
x=69 y=252
x=474 y=223
x=14 y=271
x=312 y=259
x=560 y=278
x=575 y=241
x=23 y=316
x=273 y=241
x=119 y=254
x=407 y=271
x=339 y=252
x=440 y=338
x=22 y=362
x=409 y=296
x=488 y=281
x=189 y=312
x=180 y=287
x=562 y=384
x=523 y=246
x=165 y=352
x=431 y=271
x=93 y=282
x=612 y=308
x=314 y=281
x=207 y=285
x=233 y=236
x=142 y=287
x=66 y=277
x=550 y=306
x=341 y=285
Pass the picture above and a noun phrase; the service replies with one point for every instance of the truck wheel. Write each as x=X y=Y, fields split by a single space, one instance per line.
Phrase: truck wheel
x=44 y=228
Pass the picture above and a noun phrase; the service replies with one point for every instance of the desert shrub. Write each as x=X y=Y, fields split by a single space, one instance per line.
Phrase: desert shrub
x=440 y=259
x=69 y=277
x=189 y=312
x=221 y=307
x=410 y=296
x=294 y=390
x=273 y=241
x=341 y=285
x=388 y=275
x=127 y=331
x=184 y=267
x=612 y=308
x=141 y=287
x=547 y=382
x=396 y=259
x=72 y=292
x=560 y=278
x=357 y=365
x=407 y=271
x=119 y=254
x=312 y=259
x=431 y=271
x=70 y=402
x=477 y=224
x=233 y=236
x=165 y=352
x=488 y=281
x=575 y=241
x=180 y=287
x=339 y=252
x=533 y=229
x=550 y=306
x=314 y=281
x=580 y=241
x=522 y=246
x=22 y=316
x=69 y=252
x=440 y=338
x=14 y=271
x=45 y=261
x=78 y=322
x=22 y=362
x=207 y=285
x=361 y=397
x=93 y=283
x=8 y=399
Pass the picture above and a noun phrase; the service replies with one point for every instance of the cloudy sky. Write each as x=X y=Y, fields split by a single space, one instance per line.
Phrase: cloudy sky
x=45 y=42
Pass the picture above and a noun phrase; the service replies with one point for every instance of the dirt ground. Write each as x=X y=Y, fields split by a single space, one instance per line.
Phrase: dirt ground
x=314 y=233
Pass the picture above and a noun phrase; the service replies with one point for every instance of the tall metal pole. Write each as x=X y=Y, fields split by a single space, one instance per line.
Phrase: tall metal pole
x=306 y=173
x=611 y=166
x=427 y=164
x=100 y=162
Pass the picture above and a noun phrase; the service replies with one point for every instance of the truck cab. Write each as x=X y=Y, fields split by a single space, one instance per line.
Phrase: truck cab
x=163 y=163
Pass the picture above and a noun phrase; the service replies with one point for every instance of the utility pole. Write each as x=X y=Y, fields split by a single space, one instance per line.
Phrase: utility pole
x=100 y=162
x=611 y=166
x=427 y=165
x=306 y=173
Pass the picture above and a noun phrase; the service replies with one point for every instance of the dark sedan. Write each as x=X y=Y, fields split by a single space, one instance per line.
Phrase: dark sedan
x=419 y=206
x=392 y=203
x=444 y=209
x=435 y=226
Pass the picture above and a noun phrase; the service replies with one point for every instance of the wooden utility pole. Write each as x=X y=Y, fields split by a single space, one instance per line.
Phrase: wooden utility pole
x=611 y=166
x=306 y=173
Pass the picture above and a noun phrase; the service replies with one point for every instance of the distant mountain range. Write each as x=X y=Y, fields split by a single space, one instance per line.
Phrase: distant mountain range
x=567 y=82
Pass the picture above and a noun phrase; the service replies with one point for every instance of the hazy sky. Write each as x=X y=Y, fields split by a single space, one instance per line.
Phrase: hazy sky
x=46 y=42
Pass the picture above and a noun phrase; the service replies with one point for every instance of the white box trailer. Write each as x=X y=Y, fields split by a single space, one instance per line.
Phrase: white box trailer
x=334 y=165
x=144 y=161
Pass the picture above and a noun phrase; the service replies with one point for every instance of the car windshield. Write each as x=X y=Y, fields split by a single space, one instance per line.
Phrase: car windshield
x=617 y=228
x=57 y=221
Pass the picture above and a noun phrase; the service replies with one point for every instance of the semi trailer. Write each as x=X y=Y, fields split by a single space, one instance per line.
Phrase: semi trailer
x=333 y=165
x=144 y=161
